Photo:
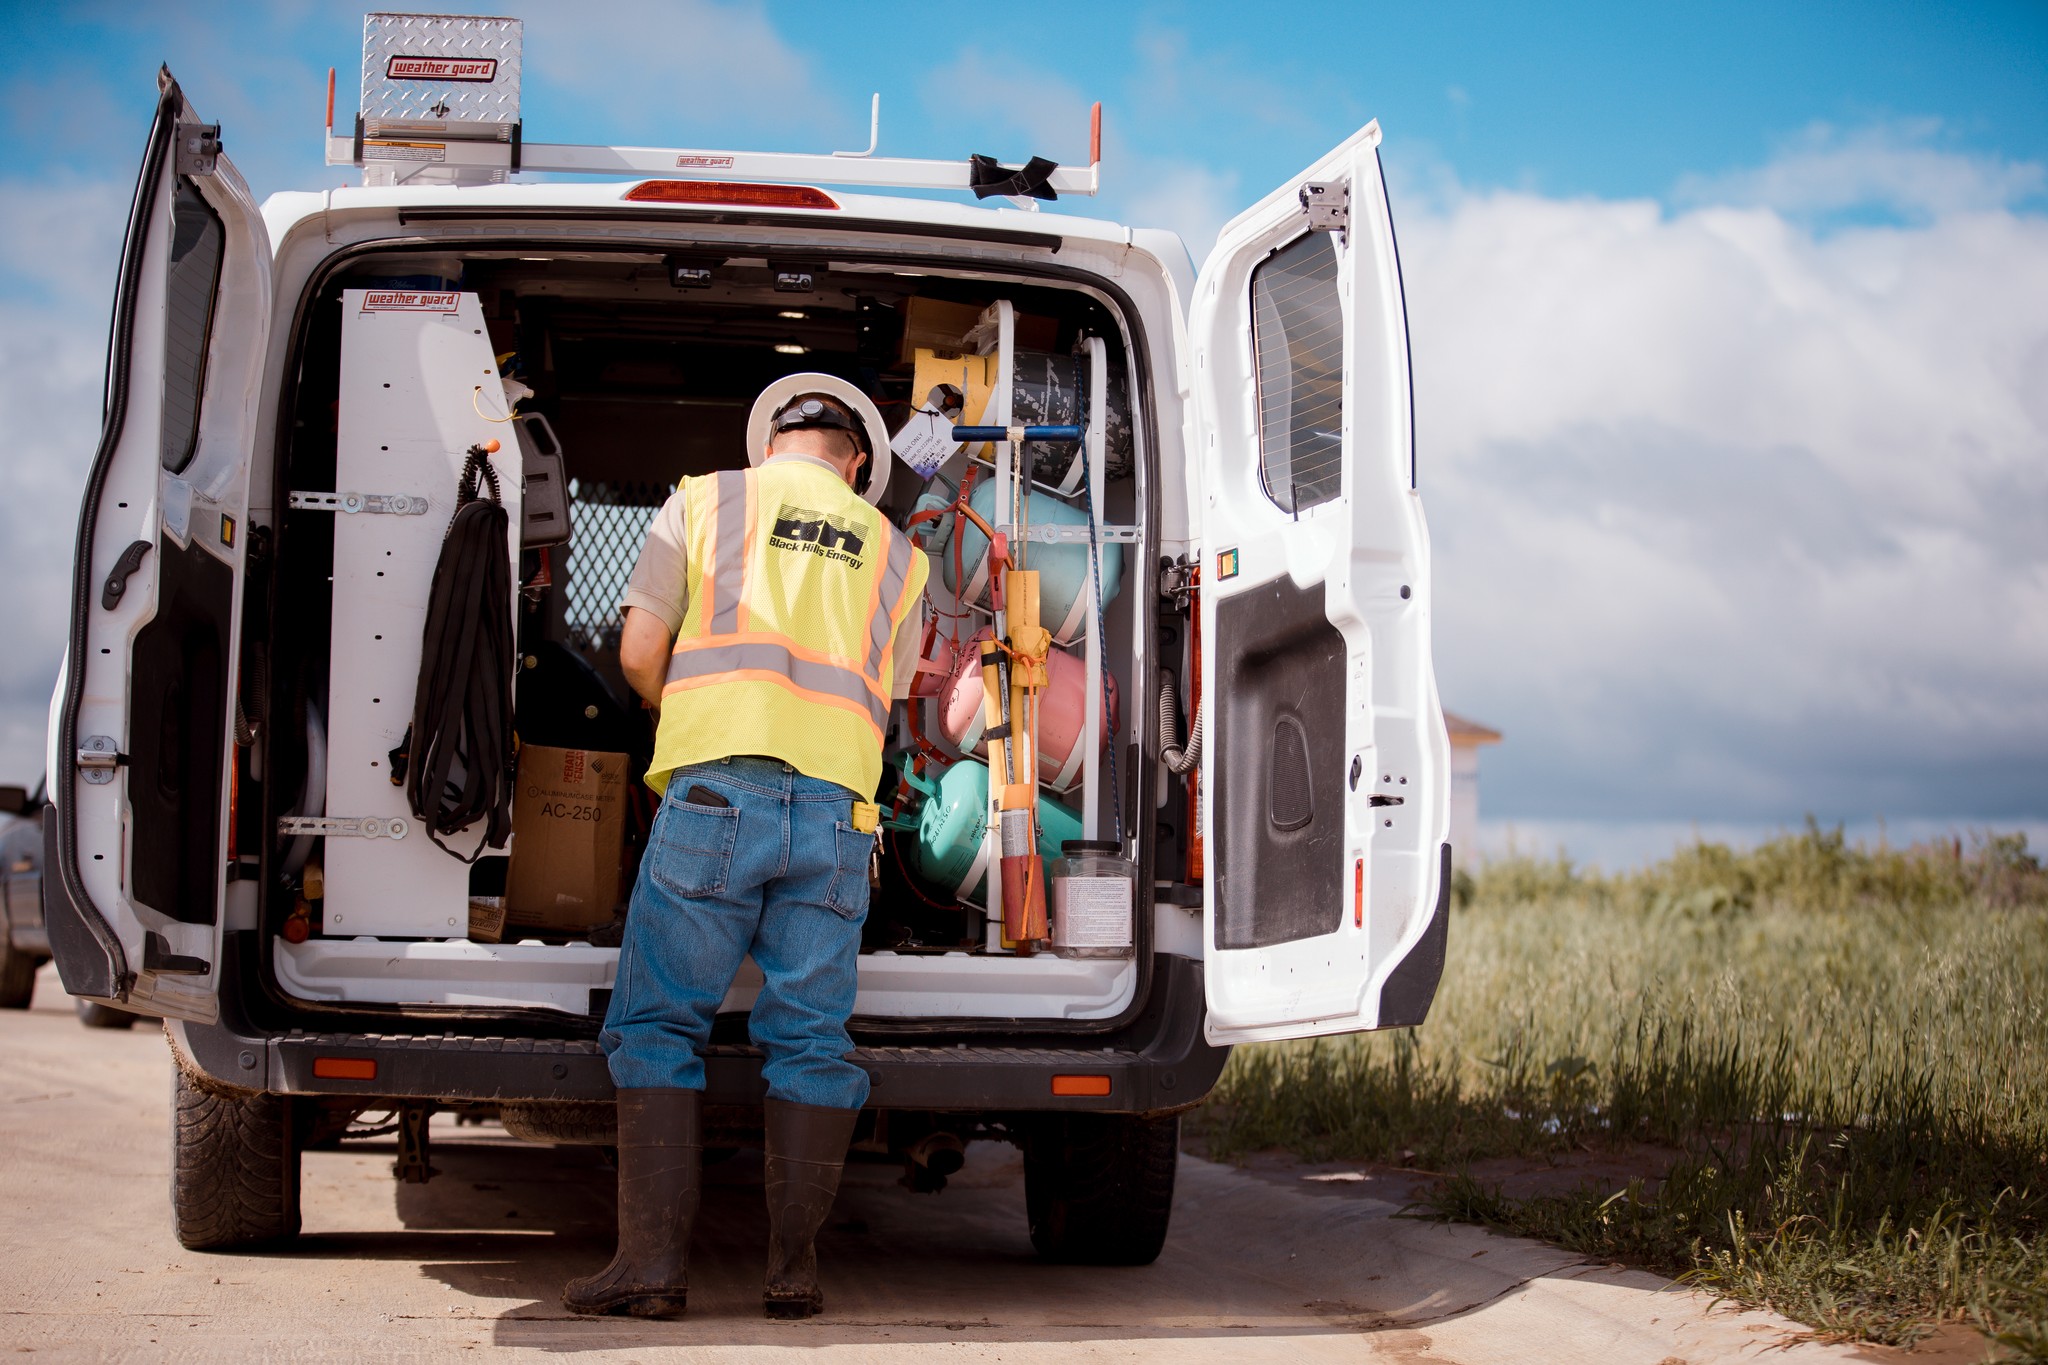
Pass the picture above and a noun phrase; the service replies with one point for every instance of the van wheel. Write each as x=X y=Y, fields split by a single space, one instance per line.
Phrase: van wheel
x=95 y=1015
x=1098 y=1188
x=587 y=1123
x=17 y=975
x=234 y=1168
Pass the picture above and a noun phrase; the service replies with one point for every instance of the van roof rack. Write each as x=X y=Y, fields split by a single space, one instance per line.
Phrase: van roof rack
x=440 y=106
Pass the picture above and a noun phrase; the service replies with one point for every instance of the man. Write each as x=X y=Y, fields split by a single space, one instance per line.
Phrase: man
x=766 y=620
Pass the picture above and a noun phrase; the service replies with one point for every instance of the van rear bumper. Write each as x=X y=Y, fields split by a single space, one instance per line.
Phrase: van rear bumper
x=1159 y=1062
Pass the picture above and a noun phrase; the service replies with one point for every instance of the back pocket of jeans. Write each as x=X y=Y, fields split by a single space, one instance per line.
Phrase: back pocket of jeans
x=852 y=851
x=692 y=848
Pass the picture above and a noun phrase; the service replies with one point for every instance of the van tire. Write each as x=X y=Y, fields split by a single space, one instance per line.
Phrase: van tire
x=1098 y=1188
x=234 y=1167
x=92 y=1014
x=584 y=1123
x=17 y=975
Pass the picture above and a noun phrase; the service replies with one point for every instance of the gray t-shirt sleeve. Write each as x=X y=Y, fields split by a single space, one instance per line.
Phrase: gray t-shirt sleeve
x=661 y=577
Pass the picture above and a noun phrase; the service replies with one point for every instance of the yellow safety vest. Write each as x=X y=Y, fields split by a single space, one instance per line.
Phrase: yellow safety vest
x=796 y=591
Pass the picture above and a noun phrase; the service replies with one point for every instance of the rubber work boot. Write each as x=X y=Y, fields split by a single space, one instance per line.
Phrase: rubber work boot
x=661 y=1157
x=806 y=1151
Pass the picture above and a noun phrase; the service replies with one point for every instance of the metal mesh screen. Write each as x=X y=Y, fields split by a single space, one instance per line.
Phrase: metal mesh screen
x=607 y=523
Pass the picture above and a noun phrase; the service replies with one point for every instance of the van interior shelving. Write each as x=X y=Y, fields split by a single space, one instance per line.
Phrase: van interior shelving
x=643 y=364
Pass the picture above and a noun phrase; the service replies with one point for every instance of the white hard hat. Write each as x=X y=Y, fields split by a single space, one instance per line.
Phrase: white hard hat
x=832 y=386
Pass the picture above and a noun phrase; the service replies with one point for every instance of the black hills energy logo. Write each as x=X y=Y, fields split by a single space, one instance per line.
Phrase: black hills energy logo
x=808 y=532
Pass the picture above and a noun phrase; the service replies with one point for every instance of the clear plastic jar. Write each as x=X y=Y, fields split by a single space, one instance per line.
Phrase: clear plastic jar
x=1093 y=898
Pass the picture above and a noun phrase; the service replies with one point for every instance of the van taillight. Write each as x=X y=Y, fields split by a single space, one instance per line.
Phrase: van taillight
x=1080 y=1085
x=729 y=192
x=345 y=1068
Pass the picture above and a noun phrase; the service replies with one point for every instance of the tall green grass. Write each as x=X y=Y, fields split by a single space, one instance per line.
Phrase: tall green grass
x=1846 y=1048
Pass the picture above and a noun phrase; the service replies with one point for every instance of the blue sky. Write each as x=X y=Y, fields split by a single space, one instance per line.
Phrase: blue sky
x=1614 y=100
x=1729 y=322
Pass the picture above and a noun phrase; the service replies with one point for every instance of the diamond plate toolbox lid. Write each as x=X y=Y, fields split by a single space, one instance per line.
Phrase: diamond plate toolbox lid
x=447 y=76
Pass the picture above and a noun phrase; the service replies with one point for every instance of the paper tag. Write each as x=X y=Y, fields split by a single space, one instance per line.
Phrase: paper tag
x=926 y=442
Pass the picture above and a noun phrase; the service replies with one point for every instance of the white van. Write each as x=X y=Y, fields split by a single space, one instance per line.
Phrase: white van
x=291 y=391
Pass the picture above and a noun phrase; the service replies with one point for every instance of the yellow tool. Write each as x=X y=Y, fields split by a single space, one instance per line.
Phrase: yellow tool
x=867 y=816
x=1024 y=920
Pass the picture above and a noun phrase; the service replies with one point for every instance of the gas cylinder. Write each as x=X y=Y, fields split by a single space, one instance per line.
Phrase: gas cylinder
x=1066 y=585
x=950 y=851
x=1062 y=713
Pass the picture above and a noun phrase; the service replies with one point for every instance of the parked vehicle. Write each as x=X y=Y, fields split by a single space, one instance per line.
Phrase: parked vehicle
x=24 y=946
x=1227 y=494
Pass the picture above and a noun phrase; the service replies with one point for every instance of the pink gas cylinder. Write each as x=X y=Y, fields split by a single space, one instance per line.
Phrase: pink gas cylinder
x=1062 y=712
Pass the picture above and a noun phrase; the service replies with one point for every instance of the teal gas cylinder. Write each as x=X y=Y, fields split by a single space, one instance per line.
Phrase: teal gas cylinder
x=950 y=853
x=1066 y=592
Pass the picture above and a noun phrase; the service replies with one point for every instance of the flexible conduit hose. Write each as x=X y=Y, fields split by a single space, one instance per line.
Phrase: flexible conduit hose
x=1178 y=760
x=460 y=749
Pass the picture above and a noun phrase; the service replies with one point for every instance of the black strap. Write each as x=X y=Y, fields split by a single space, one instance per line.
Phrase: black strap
x=460 y=767
x=986 y=178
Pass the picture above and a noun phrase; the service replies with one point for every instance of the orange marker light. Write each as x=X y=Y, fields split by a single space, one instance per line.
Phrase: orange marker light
x=1358 y=894
x=1094 y=129
x=727 y=192
x=1080 y=1085
x=345 y=1068
x=330 y=101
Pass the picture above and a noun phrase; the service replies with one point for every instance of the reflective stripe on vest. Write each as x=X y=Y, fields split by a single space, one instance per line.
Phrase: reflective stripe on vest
x=810 y=679
x=729 y=545
x=888 y=608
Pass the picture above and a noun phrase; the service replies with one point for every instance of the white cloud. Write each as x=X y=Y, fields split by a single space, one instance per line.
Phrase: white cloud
x=1734 y=517
x=1896 y=166
x=1192 y=198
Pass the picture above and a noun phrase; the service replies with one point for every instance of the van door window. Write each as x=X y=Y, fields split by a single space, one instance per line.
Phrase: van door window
x=1298 y=337
x=197 y=240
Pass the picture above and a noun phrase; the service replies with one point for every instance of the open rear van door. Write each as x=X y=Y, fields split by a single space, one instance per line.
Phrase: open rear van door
x=142 y=742
x=1326 y=777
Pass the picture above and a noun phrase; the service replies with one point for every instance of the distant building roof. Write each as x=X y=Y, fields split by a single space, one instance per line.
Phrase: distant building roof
x=1469 y=731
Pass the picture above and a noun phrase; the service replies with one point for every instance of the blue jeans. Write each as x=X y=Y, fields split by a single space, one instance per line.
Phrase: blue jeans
x=781 y=873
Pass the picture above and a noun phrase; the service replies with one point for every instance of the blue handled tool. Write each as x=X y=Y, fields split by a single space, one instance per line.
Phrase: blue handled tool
x=1003 y=433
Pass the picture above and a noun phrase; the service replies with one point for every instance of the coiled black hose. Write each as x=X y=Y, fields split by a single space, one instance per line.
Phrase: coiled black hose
x=459 y=750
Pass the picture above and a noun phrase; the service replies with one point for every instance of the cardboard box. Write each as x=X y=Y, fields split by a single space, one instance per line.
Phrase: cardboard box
x=568 y=827
x=936 y=325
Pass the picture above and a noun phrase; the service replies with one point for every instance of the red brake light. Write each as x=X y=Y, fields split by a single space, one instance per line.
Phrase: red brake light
x=729 y=192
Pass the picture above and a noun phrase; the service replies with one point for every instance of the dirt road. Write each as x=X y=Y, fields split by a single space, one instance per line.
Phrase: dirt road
x=1257 y=1269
